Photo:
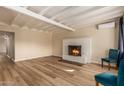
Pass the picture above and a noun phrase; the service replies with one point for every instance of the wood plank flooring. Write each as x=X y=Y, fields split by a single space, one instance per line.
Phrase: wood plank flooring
x=48 y=71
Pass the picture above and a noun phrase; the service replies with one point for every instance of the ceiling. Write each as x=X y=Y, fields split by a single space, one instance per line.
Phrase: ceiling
x=58 y=18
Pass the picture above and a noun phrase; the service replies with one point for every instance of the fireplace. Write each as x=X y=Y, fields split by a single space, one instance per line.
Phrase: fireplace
x=74 y=50
x=82 y=45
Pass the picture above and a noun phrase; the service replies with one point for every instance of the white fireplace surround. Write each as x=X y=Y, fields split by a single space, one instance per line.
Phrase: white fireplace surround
x=85 y=50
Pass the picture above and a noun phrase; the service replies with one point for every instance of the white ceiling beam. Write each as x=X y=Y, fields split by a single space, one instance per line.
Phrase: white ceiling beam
x=96 y=12
x=26 y=7
x=42 y=12
x=101 y=18
x=83 y=11
x=67 y=10
x=77 y=11
x=99 y=22
x=37 y=16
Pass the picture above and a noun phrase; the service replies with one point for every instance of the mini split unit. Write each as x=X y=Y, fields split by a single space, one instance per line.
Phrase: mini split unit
x=106 y=25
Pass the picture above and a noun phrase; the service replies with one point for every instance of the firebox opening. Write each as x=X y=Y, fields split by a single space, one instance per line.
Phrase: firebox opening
x=74 y=50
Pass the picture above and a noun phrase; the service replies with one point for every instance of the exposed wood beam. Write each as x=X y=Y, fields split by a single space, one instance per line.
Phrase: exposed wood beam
x=68 y=9
x=26 y=7
x=102 y=18
x=37 y=16
x=85 y=11
x=106 y=16
x=90 y=14
x=45 y=10
x=77 y=11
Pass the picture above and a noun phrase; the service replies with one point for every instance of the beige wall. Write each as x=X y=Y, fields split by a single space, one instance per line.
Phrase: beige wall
x=102 y=40
x=30 y=44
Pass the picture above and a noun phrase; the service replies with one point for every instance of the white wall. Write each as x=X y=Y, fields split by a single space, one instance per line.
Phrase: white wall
x=102 y=40
x=30 y=44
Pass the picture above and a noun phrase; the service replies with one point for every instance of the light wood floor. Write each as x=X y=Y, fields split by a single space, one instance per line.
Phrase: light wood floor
x=47 y=71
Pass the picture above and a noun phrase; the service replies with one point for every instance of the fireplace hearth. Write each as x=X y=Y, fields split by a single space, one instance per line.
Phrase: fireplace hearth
x=74 y=50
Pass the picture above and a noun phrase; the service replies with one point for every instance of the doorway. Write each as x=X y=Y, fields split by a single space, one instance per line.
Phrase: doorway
x=7 y=44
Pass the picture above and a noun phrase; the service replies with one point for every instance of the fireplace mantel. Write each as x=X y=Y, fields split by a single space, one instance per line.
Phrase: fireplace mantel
x=85 y=44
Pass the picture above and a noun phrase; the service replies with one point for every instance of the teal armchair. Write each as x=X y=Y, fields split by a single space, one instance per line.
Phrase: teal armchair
x=112 y=58
x=109 y=79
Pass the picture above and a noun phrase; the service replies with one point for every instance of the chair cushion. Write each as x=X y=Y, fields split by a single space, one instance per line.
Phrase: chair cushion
x=109 y=60
x=107 y=79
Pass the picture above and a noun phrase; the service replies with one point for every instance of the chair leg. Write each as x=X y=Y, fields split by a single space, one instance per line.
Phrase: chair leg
x=97 y=84
x=109 y=66
x=102 y=63
x=116 y=66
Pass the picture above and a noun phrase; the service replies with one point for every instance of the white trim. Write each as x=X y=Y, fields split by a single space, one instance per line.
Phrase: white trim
x=95 y=61
x=23 y=59
x=40 y=17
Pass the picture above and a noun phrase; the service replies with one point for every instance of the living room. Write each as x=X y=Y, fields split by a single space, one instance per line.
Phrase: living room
x=58 y=45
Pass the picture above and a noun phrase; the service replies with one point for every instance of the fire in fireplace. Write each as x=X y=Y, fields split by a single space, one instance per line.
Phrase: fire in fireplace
x=74 y=50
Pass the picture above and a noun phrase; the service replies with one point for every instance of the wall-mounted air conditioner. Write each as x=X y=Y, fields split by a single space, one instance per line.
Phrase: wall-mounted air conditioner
x=106 y=25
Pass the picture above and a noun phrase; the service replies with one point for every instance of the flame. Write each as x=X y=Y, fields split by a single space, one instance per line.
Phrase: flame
x=75 y=51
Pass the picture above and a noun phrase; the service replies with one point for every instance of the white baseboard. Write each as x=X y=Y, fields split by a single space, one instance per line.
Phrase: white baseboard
x=95 y=61
x=57 y=55
x=23 y=59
